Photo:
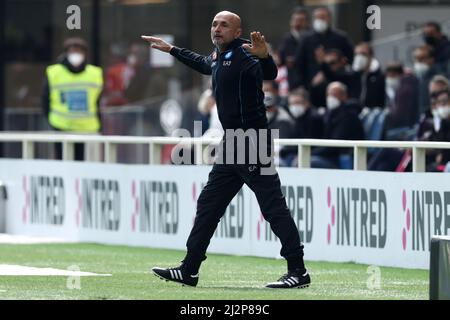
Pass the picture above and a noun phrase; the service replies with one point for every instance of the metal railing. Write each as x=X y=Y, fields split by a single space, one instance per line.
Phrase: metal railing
x=155 y=145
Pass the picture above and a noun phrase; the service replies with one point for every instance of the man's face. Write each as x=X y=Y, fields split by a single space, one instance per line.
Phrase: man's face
x=434 y=88
x=270 y=94
x=224 y=29
x=422 y=56
x=296 y=99
x=336 y=92
x=322 y=14
x=430 y=35
x=299 y=21
x=363 y=50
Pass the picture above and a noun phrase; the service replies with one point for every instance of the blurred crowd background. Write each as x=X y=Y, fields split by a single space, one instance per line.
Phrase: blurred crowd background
x=337 y=79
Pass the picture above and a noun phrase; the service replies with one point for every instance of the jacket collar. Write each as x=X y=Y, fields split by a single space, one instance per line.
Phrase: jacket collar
x=235 y=44
x=71 y=68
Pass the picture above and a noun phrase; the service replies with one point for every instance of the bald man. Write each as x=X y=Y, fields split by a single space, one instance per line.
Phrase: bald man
x=238 y=68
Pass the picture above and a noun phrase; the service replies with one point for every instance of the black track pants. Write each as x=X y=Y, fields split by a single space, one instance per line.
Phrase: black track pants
x=224 y=182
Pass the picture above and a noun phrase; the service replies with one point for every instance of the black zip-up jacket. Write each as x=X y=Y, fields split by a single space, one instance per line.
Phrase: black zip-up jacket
x=237 y=78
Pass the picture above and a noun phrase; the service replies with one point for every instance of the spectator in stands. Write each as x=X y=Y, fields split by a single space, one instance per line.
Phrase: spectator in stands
x=370 y=77
x=443 y=134
x=210 y=118
x=430 y=121
x=333 y=66
x=425 y=68
x=308 y=124
x=277 y=116
x=341 y=122
x=401 y=98
x=300 y=25
x=433 y=37
x=323 y=36
x=138 y=87
x=118 y=76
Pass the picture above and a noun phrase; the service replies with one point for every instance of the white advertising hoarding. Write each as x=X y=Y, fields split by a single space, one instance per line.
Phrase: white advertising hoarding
x=375 y=218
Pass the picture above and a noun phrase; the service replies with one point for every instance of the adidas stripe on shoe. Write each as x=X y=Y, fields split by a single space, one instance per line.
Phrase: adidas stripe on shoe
x=291 y=279
x=176 y=275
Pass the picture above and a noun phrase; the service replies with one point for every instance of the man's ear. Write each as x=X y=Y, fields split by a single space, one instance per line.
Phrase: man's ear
x=238 y=33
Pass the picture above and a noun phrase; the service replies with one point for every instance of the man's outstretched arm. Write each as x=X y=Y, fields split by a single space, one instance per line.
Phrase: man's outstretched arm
x=193 y=60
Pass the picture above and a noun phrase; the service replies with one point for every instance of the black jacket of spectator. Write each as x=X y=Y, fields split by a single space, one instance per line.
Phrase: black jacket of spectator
x=288 y=48
x=281 y=121
x=345 y=75
x=404 y=108
x=306 y=64
x=373 y=88
x=426 y=126
x=368 y=88
x=443 y=135
x=341 y=123
x=442 y=53
x=307 y=126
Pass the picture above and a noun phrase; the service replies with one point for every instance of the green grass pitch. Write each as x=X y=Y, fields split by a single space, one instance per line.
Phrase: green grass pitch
x=221 y=277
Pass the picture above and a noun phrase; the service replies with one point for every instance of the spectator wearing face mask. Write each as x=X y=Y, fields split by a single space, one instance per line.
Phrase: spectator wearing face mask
x=443 y=134
x=71 y=94
x=299 y=27
x=341 y=122
x=433 y=37
x=430 y=121
x=401 y=98
x=425 y=68
x=370 y=77
x=277 y=116
x=308 y=124
x=323 y=35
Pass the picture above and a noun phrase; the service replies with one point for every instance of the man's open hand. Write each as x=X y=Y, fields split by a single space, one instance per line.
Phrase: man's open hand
x=158 y=43
x=258 y=47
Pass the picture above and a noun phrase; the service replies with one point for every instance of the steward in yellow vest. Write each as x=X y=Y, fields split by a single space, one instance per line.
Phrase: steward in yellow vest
x=72 y=92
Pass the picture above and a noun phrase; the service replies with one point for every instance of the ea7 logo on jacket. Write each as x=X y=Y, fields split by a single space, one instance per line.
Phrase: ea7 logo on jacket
x=227 y=63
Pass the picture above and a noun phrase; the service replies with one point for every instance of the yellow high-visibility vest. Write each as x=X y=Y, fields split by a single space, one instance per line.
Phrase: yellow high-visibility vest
x=73 y=98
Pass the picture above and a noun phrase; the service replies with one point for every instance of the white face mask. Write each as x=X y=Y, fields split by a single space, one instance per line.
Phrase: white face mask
x=269 y=99
x=75 y=59
x=435 y=113
x=332 y=102
x=392 y=83
x=131 y=59
x=420 y=68
x=443 y=112
x=360 y=62
x=297 y=110
x=320 y=25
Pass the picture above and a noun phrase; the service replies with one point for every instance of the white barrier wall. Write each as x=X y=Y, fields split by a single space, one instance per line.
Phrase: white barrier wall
x=366 y=217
